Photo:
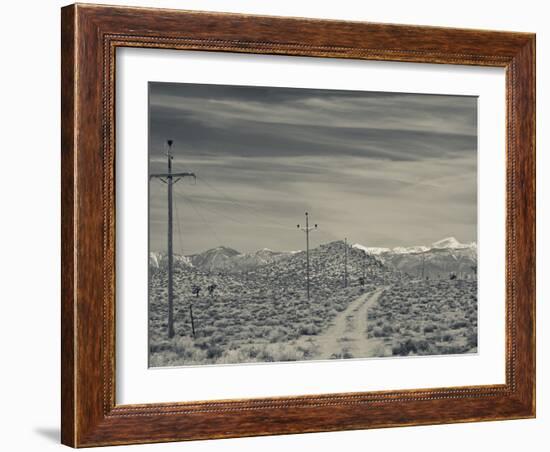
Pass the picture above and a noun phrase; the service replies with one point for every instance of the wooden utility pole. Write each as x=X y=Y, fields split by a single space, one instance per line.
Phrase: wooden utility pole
x=170 y=179
x=192 y=319
x=423 y=263
x=345 y=262
x=306 y=230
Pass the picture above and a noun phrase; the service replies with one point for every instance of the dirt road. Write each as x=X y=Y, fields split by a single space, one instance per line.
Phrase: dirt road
x=347 y=337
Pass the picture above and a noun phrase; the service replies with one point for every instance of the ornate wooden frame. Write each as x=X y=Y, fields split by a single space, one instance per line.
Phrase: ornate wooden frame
x=90 y=36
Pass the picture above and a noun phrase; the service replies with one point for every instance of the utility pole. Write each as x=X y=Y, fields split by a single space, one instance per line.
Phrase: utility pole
x=170 y=179
x=345 y=262
x=306 y=230
x=423 y=263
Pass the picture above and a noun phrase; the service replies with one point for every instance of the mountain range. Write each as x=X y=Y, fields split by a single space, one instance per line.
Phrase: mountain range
x=221 y=259
x=272 y=274
x=439 y=260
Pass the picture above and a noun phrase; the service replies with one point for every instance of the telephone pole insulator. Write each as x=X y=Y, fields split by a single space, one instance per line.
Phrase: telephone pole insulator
x=307 y=229
x=170 y=178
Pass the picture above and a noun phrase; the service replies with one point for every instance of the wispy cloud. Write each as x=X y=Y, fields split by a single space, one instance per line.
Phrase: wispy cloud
x=379 y=168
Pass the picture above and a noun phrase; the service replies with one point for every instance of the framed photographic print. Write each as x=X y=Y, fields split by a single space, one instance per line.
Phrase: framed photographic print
x=280 y=225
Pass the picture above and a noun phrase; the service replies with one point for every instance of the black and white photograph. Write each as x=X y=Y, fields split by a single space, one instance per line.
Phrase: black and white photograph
x=292 y=224
x=275 y=226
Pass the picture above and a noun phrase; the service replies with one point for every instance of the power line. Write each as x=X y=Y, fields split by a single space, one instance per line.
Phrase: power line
x=178 y=224
x=201 y=216
x=237 y=203
x=225 y=215
x=190 y=200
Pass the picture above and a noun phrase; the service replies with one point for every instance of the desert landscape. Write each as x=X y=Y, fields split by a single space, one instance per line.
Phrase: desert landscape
x=253 y=307
x=300 y=224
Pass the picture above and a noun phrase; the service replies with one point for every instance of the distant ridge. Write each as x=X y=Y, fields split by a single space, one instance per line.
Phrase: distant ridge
x=441 y=258
x=446 y=243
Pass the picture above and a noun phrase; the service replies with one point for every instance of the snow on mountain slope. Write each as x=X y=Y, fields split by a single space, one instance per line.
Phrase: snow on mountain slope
x=442 y=258
x=375 y=251
x=160 y=260
x=450 y=243
x=446 y=243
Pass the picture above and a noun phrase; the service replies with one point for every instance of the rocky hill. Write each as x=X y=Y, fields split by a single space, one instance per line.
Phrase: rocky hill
x=268 y=271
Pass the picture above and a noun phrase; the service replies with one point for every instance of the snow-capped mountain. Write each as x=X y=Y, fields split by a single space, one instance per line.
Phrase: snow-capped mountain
x=446 y=256
x=160 y=260
x=373 y=250
x=215 y=258
x=452 y=243
x=377 y=251
x=439 y=260
x=446 y=243
x=221 y=258
x=409 y=249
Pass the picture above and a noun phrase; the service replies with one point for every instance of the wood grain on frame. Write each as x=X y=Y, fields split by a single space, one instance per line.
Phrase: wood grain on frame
x=90 y=36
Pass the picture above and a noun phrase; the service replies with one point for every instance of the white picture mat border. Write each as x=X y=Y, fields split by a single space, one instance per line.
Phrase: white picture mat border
x=135 y=383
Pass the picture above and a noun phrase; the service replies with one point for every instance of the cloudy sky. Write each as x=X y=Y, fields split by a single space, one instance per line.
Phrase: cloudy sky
x=382 y=169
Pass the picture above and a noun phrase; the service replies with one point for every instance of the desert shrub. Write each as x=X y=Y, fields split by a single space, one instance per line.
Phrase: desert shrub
x=341 y=355
x=214 y=352
x=471 y=340
x=183 y=352
x=183 y=345
x=207 y=330
x=218 y=338
x=377 y=332
x=404 y=348
x=276 y=335
x=459 y=324
x=203 y=343
x=379 y=350
x=387 y=330
x=156 y=360
x=220 y=324
x=233 y=356
x=452 y=350
x=259 y=332
x=430 y=328
x=414 y=347
x=159 y=346
x=309 y=330
x=278 y=352
x=424 y=347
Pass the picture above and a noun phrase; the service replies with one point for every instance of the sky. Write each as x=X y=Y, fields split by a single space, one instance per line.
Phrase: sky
x=380 y=169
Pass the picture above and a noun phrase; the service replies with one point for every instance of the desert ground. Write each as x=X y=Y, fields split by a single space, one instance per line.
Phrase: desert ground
x=248 y=310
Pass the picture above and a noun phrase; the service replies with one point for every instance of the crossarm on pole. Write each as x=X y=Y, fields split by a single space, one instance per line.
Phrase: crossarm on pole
x=166 y=175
